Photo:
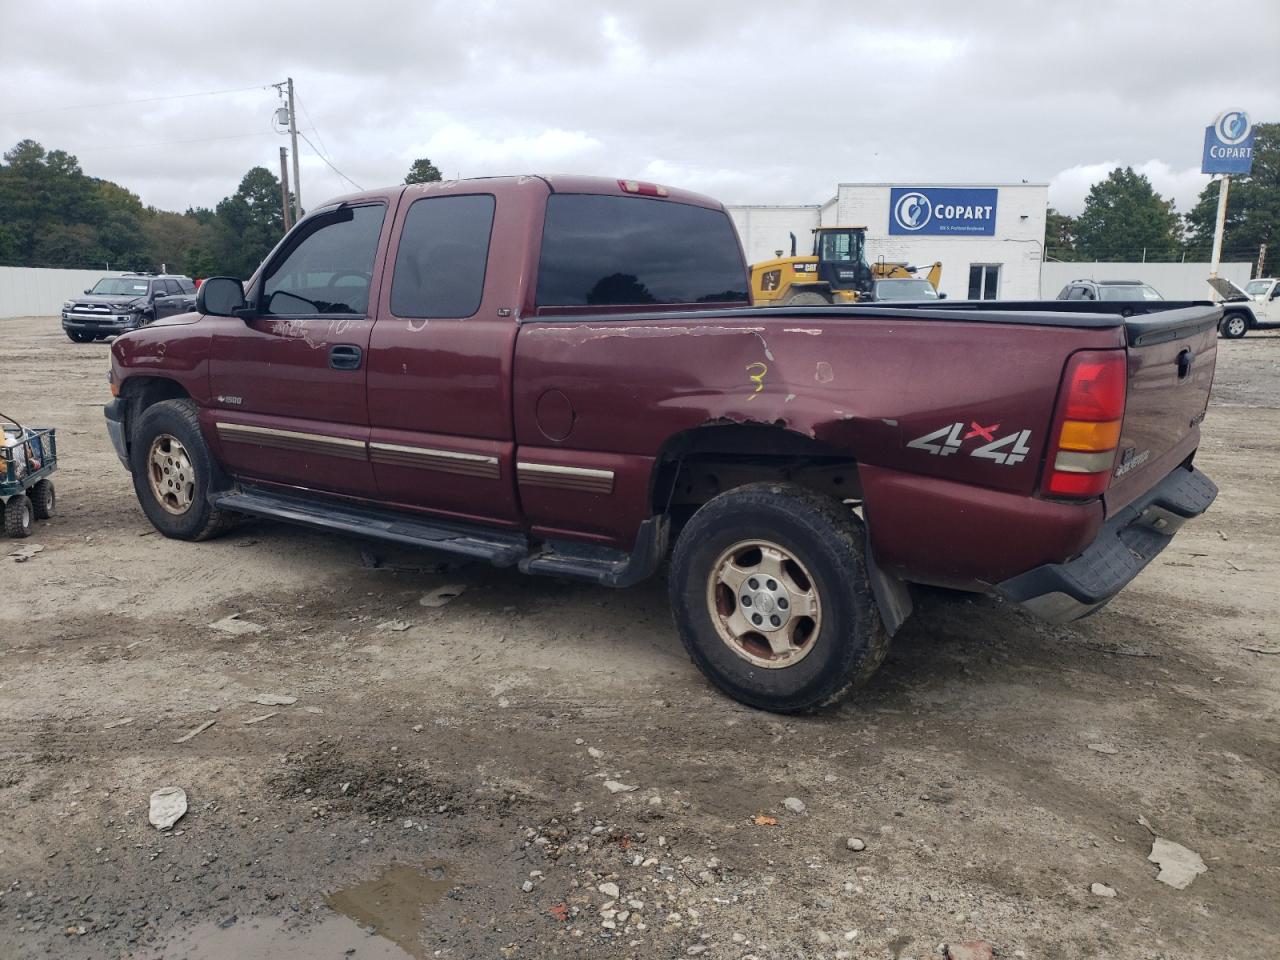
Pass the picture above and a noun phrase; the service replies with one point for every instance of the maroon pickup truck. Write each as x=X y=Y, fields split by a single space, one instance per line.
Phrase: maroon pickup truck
x=565 y=374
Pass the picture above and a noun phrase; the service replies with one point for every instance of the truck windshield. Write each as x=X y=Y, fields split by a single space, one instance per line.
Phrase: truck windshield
x=1127 y=291
x=1256 y=288
x=120 y=287
x=600 y=250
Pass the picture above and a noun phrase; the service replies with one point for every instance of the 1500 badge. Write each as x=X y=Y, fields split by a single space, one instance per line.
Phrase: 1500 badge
x=1007 y=450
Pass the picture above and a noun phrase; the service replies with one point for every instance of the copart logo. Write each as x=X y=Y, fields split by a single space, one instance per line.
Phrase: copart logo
x=912 y=211
x=1232 y=127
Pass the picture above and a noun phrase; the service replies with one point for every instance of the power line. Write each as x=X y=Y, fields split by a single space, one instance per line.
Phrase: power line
x=169 y=143
x=114 y=103
x=314 y=128
x=327 y=163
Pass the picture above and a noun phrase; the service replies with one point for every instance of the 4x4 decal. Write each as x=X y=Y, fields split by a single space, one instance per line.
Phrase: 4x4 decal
x=1007 y=450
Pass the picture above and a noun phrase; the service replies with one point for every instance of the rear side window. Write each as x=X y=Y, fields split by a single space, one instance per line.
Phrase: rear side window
x=609 y=251
x=444 y=249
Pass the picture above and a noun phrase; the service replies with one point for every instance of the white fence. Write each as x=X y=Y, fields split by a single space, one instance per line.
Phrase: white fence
x=1175 y=281
x=36 y=292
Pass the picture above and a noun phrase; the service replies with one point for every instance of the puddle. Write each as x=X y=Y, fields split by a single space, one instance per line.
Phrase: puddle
x=392 y=904
x=380 y=919
x=272 y=938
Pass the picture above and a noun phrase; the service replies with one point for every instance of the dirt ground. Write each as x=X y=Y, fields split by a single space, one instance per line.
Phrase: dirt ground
x=442 y=775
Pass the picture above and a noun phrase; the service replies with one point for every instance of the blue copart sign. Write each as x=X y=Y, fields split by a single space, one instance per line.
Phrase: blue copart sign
x=932 y=211
x=1228 y=144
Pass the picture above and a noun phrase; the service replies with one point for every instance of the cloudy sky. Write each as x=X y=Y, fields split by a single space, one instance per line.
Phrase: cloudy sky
x=750 y=102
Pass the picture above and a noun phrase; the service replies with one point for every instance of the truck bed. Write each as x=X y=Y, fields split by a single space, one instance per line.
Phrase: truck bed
x=1144 y=322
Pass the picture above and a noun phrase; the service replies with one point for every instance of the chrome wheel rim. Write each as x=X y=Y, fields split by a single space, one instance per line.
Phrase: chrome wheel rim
x=764 y=604
x=1235 y=326
x=172 y=475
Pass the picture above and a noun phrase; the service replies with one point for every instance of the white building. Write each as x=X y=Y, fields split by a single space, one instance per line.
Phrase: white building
x=989 y=237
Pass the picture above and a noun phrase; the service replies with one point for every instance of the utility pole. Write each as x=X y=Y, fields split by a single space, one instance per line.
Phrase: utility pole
x=284 y=188
x=1223 y=186
x=293 y=135
x=1262 y=257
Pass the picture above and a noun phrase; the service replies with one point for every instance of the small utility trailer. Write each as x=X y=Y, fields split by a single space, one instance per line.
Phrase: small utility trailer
x=28 y=455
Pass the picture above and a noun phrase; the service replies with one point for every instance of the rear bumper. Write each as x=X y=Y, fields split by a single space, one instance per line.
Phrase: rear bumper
x=114 y=412
x=1127 y=542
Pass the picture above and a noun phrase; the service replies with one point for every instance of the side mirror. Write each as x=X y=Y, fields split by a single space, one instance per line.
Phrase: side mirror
x=220 y=297
x=88 y=290
x=942 y=296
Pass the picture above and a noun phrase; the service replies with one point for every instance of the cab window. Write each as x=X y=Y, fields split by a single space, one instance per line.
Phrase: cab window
x=444 y=250
x=599 y=250
x=329 y=270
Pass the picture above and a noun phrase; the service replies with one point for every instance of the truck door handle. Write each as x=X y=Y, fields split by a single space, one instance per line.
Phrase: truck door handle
x=345 y=356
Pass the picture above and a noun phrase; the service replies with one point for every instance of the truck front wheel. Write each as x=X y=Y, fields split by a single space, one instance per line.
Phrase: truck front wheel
x=1234 y=326
x=771 y=597
x=18 y=515
x=172 y=470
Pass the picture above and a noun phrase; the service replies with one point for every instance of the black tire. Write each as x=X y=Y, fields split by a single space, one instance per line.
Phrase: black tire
x=806 y=298
x=42 y=499
x=188 y=517
x=18 y=516
x=77 y=336
x=848 y=642
x=1234 y=326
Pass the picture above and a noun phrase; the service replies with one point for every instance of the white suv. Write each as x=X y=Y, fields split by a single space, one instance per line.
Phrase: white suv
x=1256 y=307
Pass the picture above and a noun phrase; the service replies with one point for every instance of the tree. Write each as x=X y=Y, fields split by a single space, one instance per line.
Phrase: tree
x=247 y=224
x=1125 y=219
x=423 y=171
x=1253 y=207
x=1060 y=236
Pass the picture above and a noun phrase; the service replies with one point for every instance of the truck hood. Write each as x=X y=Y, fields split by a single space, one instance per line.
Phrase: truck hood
x=1227 y=290
x=177 y=319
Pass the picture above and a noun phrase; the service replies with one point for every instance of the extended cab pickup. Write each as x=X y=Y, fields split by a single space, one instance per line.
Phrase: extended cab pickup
x=563 y=374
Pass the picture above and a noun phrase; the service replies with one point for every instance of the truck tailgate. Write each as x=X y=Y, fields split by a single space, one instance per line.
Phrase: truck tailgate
x=1171 y=358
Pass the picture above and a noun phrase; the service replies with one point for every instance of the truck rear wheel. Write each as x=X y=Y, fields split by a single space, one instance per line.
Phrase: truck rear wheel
x=1234 y=326
x=172 y=471
x=18 y=516
x=42 y=499
x=771 y=597
x=806 y=299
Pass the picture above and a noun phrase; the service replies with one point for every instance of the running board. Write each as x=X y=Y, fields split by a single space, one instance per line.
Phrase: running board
x=603 y=565
x=499 y=547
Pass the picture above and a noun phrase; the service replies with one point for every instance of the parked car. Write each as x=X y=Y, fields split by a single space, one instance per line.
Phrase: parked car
x=1109 y=290
x=1256 y=307
x=563 y=374
x=116 y=304
x=902 y=289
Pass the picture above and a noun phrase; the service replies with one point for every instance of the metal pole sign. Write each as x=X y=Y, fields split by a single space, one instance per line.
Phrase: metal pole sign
x=1228 y=144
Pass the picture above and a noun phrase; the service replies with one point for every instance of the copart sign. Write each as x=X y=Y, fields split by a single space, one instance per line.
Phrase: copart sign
x=942 y=210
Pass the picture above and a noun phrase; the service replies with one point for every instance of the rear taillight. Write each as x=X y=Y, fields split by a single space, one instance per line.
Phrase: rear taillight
x=1091 y=408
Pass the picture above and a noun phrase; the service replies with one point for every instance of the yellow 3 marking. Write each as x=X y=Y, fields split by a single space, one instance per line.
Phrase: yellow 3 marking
x=756 y=372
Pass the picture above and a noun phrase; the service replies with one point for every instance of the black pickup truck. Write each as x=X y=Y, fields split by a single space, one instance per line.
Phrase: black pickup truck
x=116 y=304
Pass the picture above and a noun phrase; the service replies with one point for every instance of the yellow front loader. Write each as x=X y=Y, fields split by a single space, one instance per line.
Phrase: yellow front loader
x=836 y=272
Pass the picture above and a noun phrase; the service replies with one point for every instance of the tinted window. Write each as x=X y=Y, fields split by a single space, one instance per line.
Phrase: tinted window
x=440 y=265
x=600 y=250
x=1128 y=291
x=186 y=286
x=330 y=269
